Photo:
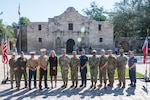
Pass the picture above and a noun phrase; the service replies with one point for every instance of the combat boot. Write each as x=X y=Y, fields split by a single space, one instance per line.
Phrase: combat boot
x=95 y=85
x=123 y=85
x=100 y=85
x=91 y=85
x=111 y=84
x=72 y=85
x=105 y=86
x=76 y=85
x=65 y=85
x=11 y=86
x=119 y=84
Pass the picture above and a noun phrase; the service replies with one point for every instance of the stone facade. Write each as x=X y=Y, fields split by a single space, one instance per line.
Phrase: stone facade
x=63 y=31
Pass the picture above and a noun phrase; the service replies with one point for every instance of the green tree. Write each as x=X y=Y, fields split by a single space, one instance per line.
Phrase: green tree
x=95 y=12
x=23 y=21
x=5 y=29
x=1 y=28
x=131 y=18
x=9 y=31
x=14 y=25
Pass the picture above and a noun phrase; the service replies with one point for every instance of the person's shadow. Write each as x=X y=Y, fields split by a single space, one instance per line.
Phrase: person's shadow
x=130 y=91
x=118 y=91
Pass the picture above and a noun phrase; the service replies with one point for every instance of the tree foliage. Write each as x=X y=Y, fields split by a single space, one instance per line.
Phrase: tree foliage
x=7 y=29
x=23 y=21
x=131 y=18
x=95 y=12
x=1 y=28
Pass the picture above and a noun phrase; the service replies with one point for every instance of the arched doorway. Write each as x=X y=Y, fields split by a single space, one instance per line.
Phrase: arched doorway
x=70 y=45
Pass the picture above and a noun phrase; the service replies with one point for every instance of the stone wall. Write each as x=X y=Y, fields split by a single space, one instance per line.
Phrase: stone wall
x=55 y=34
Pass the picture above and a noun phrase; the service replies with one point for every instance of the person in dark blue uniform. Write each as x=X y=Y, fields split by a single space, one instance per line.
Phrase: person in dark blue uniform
x=132 y=69
x=83 y=68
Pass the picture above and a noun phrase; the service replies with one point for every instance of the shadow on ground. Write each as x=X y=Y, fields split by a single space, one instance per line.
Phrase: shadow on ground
x=59 y=92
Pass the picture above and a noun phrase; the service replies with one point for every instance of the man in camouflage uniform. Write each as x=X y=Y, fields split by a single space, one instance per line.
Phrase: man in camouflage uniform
x=94 y=62
x=121 y=67
x=43 y=63
x=64 y=62
x=74 y=64
x=21 y=64
x=13 y=69
x=32 y=65
x=102 y=68
x=112 y=62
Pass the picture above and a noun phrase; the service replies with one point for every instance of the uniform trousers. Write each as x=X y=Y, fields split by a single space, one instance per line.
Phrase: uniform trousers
x=132 y=75
x=43 y=73
x=64 y=75
x=74 y=76
x=12 y=75
x=111 y=72
x=20 y=73
x=94 y=73
x=83 y=76
x=102 y=76
x=32 y=73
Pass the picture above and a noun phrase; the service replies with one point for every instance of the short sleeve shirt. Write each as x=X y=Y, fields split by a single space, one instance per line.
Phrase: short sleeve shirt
x=132 y=61
x=43 y=60
x=83 y=60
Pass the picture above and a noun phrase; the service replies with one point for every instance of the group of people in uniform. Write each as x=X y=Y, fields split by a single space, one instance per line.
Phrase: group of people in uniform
x=98 y=65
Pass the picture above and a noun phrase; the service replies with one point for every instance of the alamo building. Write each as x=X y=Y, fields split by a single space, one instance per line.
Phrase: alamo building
x=69 y=30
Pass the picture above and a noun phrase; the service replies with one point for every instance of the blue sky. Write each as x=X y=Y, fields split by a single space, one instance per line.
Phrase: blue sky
x=41 y=10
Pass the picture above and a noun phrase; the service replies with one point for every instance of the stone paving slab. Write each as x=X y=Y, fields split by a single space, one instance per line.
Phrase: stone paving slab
x=141 y=92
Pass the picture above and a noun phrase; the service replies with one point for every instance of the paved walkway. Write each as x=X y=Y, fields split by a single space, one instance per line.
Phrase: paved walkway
x=116 y=93
x=141 y=92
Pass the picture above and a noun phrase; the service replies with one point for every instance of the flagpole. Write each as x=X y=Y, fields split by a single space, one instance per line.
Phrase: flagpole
x=147 y=77
x=5 y=57
x=4 y=71
x=147 y=53
x=7 y=72
x=19 y=28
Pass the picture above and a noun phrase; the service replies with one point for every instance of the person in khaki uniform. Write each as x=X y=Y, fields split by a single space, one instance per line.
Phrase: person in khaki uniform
x=64 y=62
x=21 y=69
x=102 y=68
x=74 y=64
x=43 y=63
x=121 y=67
x=32 y=65
x=111 y=66
x=13 y=69
x=94 y=63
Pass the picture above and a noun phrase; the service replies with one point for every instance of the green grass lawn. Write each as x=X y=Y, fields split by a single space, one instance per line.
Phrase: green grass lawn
x=139 y=75
x=69 y=74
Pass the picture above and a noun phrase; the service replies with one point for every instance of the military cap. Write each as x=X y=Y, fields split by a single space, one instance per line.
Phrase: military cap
x=13 y=53
x=109 y=50
x=74 y=52
x=64 y=50
x=22 y=52
x=32 y=52
x=43 y=49
x=94 y=51
x=102 y=50
x=83 y=50
x=121 y=50
x=131 y=52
